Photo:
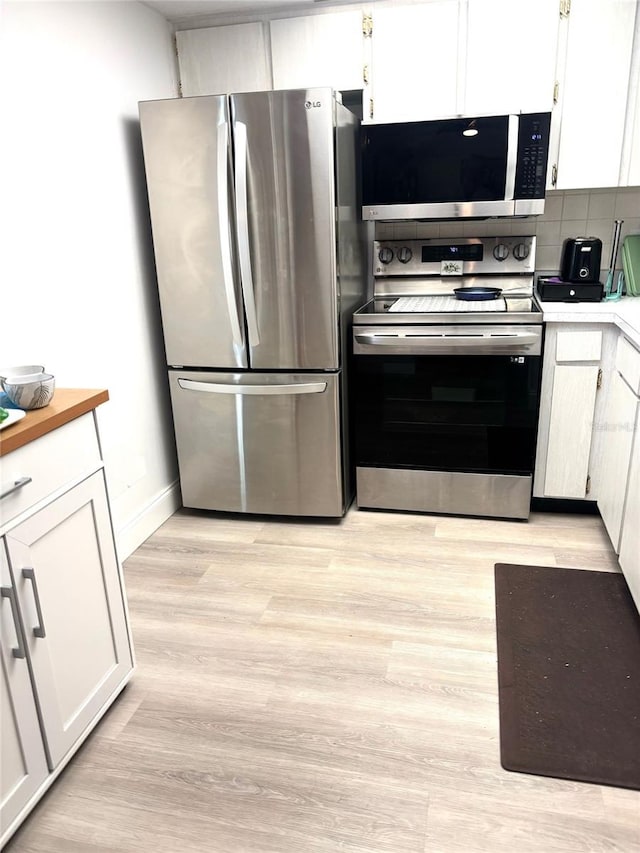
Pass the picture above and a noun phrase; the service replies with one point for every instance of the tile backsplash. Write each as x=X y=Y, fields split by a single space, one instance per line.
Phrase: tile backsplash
x=567 y=213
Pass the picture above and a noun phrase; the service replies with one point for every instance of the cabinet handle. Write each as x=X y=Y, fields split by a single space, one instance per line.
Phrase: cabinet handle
x=18 y=484
x=38 y=631
x=10 y=593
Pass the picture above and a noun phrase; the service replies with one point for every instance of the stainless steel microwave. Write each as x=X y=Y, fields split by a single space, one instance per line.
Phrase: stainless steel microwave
x=455 y=168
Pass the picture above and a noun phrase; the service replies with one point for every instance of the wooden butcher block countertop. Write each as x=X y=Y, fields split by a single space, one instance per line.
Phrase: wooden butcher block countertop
x=67 y=404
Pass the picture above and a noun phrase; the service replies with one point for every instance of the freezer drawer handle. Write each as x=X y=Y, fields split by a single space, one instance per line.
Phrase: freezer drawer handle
x=224 y=233
x=10 y=593
x=268 y=390
x=242 y=225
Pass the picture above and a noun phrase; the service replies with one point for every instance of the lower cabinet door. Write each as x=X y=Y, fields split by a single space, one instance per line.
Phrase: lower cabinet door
x=569 y=443
x=65 y=571
x=22 y=758
x=616 y=457
x=630 y=538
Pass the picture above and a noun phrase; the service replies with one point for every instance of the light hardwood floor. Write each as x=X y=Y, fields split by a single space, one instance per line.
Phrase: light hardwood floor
x=307 y=687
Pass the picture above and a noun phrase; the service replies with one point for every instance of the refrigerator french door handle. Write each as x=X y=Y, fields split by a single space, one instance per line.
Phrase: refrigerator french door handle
x=223 y=230
x=269 y=390
x=242 y=225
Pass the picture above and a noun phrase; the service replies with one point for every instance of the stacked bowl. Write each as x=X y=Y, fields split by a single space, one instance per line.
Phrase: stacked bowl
x=27 y=386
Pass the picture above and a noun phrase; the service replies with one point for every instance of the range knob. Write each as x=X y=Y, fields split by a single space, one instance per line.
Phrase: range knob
x=501 y=252
x=521 y=251
x=404 y=255
x=385 y=255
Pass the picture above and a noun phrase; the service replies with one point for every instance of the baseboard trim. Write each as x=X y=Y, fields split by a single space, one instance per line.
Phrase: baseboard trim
x=139 y=528
x=580 y=507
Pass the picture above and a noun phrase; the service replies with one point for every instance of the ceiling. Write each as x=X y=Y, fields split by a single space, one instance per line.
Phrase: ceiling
x=182 y=10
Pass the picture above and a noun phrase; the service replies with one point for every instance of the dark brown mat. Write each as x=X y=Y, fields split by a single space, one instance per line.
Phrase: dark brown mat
x=568 y=674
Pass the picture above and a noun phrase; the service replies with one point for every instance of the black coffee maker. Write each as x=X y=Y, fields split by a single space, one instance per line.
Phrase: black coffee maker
x=579 y=279
x=581 y=260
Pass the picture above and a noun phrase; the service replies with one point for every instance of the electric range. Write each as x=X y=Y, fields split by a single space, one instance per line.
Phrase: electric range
x=445 y=387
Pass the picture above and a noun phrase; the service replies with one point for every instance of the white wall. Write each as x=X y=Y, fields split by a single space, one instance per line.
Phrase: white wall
x=77 y=280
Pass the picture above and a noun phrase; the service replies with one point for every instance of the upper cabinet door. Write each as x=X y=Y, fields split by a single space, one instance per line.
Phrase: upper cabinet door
x=630 y=166
x=595 y=93
x=414 y=61
x=318 y=50
x=221 y=60
x=510 y=56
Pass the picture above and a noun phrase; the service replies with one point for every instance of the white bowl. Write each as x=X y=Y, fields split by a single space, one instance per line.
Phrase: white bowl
x=22 y=370
x=30 y=391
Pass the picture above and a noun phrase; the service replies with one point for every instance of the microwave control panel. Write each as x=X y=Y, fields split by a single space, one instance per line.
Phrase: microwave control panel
x=533 y=152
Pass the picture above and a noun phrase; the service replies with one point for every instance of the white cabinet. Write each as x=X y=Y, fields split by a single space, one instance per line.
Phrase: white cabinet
x=22 y=755
x=444 y=58
x=318 y=50
x=630 y=538
x=66 y=650
x=570 y=380
x=66 y=577
x=619 y=496
x=596 y=86
x=218 y=60
x=414 y=61
x=510 y=57
x=620 y=426
x=630 y=166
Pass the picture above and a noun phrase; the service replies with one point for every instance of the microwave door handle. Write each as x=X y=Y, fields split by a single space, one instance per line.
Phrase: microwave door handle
x=224 y=230
x=242 y=225
x=512 y=158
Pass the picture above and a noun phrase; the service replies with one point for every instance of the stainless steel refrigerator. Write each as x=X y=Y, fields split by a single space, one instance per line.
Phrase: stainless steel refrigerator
x=260 y=263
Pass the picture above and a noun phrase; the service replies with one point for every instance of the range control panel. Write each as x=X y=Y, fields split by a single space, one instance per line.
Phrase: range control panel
x=457 y=256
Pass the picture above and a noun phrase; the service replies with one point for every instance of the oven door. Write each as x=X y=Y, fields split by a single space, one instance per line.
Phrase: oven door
x=456 y=400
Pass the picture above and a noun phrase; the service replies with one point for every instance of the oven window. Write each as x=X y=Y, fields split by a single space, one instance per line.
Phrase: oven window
x=426 y=162
x=456 y=413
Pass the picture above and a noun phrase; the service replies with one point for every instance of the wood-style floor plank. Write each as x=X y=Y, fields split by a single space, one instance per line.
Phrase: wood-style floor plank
x=314 y=686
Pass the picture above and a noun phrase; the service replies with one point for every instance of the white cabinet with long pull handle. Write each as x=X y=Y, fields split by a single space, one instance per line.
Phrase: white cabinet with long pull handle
x=24 y=763
x=620 y=427
x=65 y=646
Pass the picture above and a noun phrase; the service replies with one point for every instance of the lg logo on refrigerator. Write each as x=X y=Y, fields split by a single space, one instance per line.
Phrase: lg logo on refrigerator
x=311 y=105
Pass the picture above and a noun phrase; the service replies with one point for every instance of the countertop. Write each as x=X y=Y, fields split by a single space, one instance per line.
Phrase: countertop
x=67 y=404
x=624 y=313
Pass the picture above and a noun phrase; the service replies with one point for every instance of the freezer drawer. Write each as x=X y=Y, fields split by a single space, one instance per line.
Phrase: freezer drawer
x=259 y=443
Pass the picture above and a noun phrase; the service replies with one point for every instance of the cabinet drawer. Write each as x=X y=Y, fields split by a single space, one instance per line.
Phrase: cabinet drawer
x=628 y=364
x=578 y=346
x=51 y=461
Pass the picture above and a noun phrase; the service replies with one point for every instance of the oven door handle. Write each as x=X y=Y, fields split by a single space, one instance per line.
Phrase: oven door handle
x=424 y=343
